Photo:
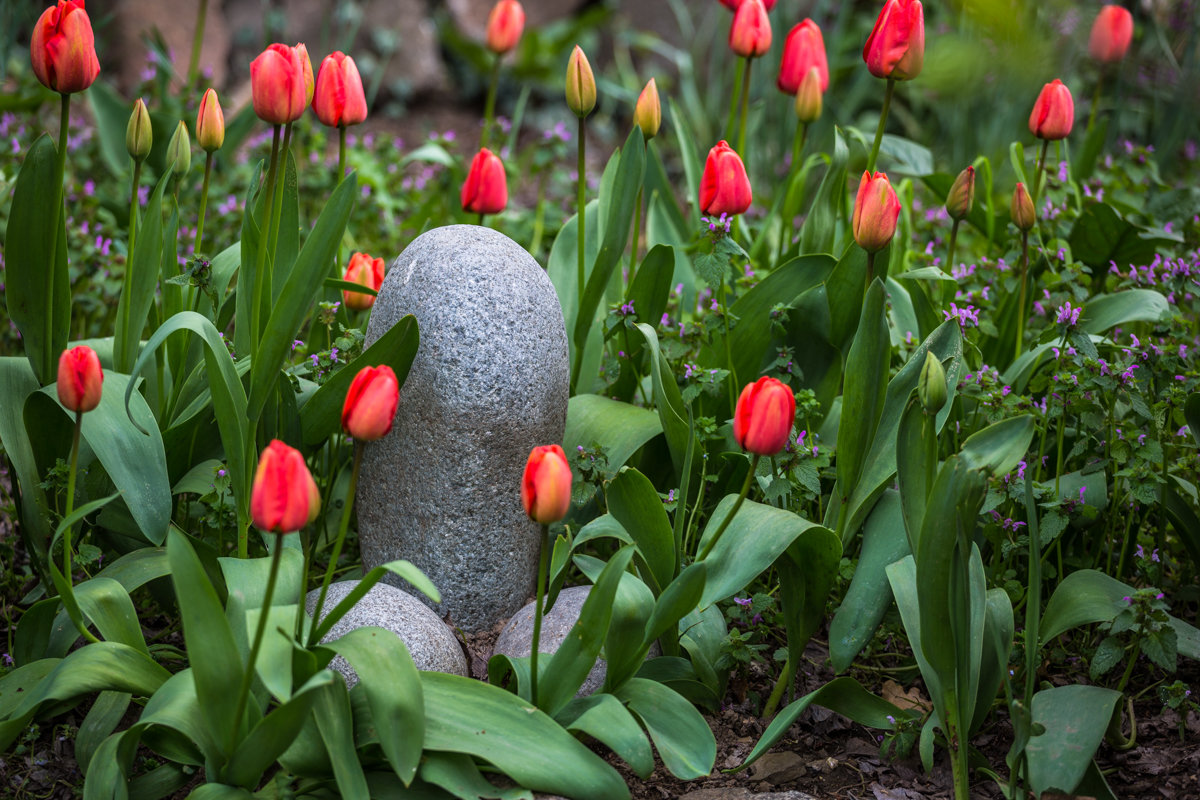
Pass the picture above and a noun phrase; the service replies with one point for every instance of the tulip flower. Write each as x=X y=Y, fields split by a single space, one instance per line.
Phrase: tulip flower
x=80 y=379
x=1021 y=209
x=306 y=68
x=284 y=497
x=1053 y=113
x=931 y=387
x=724 y=186
x=277 y=83
x=1112 y=33
x=505 y=25
x=750 y=34
x=808 y=101
x=896 y=47
x=647 y=115
x=485 y=190
x=62 y=48
x=210 y=123
x=803 y=49
x=546 y=484
x=371 y=403
x=876 y=209
x=762 y=421
x=367 y=271
x=962 y=194
x=179 y=151
x=138 y=136
x=339 y=100
x=733 y=5
x=581 y=84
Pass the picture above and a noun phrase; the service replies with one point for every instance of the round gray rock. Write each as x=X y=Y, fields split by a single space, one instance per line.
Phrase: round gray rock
x=431 y=642
x=489 y=383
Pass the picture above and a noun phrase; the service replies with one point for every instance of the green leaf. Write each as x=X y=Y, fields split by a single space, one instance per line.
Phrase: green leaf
x=138 y=296
x=605 y=718
x=651 y=286
x=334 y=721
x=1075 y=718
x=620 y=428
x=18 y=382
x=349 y=286
x=1108 y=654
x=457 y=774
x=683 y=739
x=997 y=448
x=106 y=603
x=467 y=716
x=1191 y=412
x=635 y=504
x=998 y=629
x=1101 y=235
x=820 y=226
x=671 y=411
x=1120 y=308
x=678 y=600
x=400 y=567
x=625 y=647
x=101 y=720
x=916 y=467
x=906 y=157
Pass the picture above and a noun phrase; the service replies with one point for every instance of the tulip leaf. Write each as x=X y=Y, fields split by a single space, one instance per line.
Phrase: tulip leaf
x=1105 y=312
x=101 y=720
x=820 y=226
x=684 y=741
x=1075 y=718
x=634 y=503
x=283 y=259
x=605 y=718
x=620 y=428
x=17 y=383
x=1191 y=412
x=458 y=774
x=400 y=567
x=350 y=286
x=678 y=600
x=1101 y=236
x=672 y=412
x=141 y=282
x=997 y=448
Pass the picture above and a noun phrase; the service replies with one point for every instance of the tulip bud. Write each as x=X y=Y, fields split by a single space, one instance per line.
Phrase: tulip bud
x=62 y=48
x=962 y=194
x=138 y=136
x=1021 y=209
x=371 y=403
x=339 y=100
x=750 y=34
x=284 y=497
x=485 y=190
x=803 y=49
x=808 y=97
x=581 y=84
x=504 y=26
x=724 y=185
x=647 y=115
x=306 y=68
x=896 y=47
x=932 y=386
x=210 y=123
x=277 y=83
x=365 y=271
x=1112 y=32
x=179 y=151
x=762 y=421
x=876 y=210
x=1054 y=112
x=80 y=379
x=546 y=484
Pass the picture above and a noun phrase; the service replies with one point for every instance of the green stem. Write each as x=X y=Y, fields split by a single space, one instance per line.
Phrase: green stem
x=133 y=205
x=208 y=160
x=741 y=146
x=260 y=629
x=341 y=538
x=197 y=40
x=281 y=181
x=781 y=684
x=870 y=270
x=580 y=208
x=261 y=258
x=948 y=267
x=489 y=110
x=733 y=511
x=48 y=355
x=960 y=768
x=798 y=142
x=733 y=379
x=1037 y=176
x=341 y=176
x=71 y=494
x=1021 y=297
x=1095 y=102
x=1133 y=657
x=537 y=615
x=733 y=98
x=637 y=233
x=883 y=115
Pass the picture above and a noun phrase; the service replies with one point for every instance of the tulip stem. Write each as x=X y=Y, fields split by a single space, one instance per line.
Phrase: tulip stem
x=197 y=41
x=341 y=176
x=337 y=544
x=883 y=115
x=733 y=98
x=259 y=630
x=741 y=147
x=261 y=258
x=208 y=159
x=948 y=267
x=733 y=511
x=281 y=183
x=489 y=110
x=1037 y=176
x=1095 y=101
x=133 y=204
x=581 y=216
x=637 y=234
x=537 y=615
x=1021 y=300
x=870 y=270
x=48 y=354
x=80 y=625
x=733 y=379
x=798 y=143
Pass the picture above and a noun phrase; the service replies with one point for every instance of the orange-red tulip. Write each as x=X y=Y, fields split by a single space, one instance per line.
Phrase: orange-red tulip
x=896 y=47
x=732 y=5
x=339 y=100
x=1054 y=112
x=63 y=48
x=485 y=190
x=750 y=34
x=762 y=421
x=80 y=379
x=364 y=270
x=505 y=25
x=210 y=122
x=306 y=68
x=803 y=49
x=724 y=186
x=284 y=497
x=546 y=484
x=277 y=85
x=876 y=210
x=1112 y=32
x=808 y=97
x=371 y=403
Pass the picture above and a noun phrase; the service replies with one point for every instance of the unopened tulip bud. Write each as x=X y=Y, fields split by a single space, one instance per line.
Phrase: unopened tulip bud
x=546 y=484
x=371 y=403
x=210 y=123
x=284 y=497
x=581 y=84
x=138 y=136
x=505 y=25
x=80 y=379
x=1021 y=209
x=179 y=151
x=1053 y=113
x=808 y=97
x=1112 y=32
x=648 y=113
x=750 y=34
x=762 y=420
x=931 y=388
x=876 y=210
x=306 y=68
x=62 y=48
x=962 y=194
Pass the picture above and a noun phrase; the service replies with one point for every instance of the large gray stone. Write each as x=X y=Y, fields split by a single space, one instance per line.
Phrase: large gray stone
x=430 y=641
x=489 y=383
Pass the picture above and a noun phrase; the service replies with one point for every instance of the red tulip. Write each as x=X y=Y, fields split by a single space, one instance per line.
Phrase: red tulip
x=763 y=419
x=896 y=47
x=803 y=48
x=546 y=484
x=210 y=123
x=339 y=100
x=486 y=189
x=1112 y=33
x=1054 y=112
x=79 y=379
x=364 y=270
x=277 y=85
x=504 y=26
x=371 y=403
x=750 y=34
x=876 y=210
x=732 y=5
x=284 y=497
x=724 y=187
x=63 y=48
